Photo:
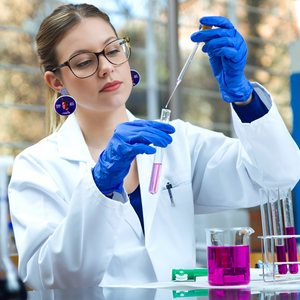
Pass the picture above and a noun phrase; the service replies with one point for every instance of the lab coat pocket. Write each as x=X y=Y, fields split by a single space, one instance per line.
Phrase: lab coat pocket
x=179 y=193
x=176 y=221
x=176 y=202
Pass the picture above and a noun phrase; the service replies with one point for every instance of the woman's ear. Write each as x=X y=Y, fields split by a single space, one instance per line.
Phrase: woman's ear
x=53 y=81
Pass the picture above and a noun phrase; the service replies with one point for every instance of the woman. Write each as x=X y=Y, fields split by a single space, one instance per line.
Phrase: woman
x=79 y=199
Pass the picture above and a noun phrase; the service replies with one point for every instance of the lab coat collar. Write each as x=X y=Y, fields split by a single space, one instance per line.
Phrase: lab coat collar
x=71 y=143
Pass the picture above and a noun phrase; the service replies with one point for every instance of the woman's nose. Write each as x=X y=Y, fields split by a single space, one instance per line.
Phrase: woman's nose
x=105 y=67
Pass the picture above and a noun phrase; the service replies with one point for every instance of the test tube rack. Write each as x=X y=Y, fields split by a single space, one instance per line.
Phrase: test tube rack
x=270 y=266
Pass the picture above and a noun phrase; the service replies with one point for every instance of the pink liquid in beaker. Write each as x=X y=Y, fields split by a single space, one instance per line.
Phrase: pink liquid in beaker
x=292 y=249
x=228 y=265
x=154 y=178
x=230 y=294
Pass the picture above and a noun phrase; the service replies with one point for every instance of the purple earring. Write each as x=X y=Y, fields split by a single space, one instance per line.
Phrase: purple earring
x=65 y=105
x=135 y=76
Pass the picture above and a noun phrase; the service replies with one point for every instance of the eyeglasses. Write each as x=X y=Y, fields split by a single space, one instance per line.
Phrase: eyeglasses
x=86 y=64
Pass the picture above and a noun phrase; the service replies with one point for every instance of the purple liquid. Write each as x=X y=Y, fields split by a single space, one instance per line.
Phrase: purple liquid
x=292 y=249
x=283 y=296
x=228 y=265
x=154 y=178
x=295 y=296
x=281 y=257
x=230 y=294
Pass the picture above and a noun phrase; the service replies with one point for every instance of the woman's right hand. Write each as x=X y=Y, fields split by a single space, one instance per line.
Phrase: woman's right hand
x=129 y=140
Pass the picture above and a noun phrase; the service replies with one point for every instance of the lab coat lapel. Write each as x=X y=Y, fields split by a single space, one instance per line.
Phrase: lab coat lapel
x=133 y=220
x=71 y=143
x=149 y=201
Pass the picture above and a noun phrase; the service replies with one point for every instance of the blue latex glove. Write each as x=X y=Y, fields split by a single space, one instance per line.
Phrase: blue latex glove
x=129 y=140
x=227 y=53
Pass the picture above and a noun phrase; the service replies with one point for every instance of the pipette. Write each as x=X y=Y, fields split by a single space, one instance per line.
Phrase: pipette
x=165 y=117
x=186 y=65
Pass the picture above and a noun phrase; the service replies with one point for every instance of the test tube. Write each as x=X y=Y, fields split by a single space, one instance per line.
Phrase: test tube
x=289 y=223
x=278 y=229
x=267 y=228
x=158 y=157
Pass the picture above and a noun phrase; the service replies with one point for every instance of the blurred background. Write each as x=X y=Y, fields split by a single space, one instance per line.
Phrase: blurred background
x=160 y=38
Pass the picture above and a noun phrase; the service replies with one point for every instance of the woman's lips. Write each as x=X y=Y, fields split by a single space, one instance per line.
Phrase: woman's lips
x=111 y=86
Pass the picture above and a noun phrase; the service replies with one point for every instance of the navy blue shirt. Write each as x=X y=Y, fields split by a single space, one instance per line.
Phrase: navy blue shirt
x=251 y=111
x=136 y=202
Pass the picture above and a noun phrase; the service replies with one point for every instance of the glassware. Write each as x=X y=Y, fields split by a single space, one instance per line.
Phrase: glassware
x=267 y=229
x=158 y=157
x=274 y=200
x=165 y=117
x=289 y=223
x=187 y=64
x=228 y=255
x=11 y=287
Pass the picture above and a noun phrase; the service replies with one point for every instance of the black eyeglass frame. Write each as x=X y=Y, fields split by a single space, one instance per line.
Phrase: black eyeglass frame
x=67 y=63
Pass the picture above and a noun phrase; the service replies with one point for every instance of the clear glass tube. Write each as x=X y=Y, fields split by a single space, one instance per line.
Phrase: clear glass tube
x=274 y=198
x=267 y=228
x=289 y=223
x=158 y=157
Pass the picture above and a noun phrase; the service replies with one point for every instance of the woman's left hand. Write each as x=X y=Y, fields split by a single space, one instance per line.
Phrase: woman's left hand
x=227 y=53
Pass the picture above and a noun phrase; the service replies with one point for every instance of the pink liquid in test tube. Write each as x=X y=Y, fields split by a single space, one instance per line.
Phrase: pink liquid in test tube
x=281 y=257
x=292 y=249
x=154 y=178
x=158 y=157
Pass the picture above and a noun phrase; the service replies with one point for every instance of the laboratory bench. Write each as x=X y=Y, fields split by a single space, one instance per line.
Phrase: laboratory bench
x=257 y=289
x=151 y=293
x=284 y=291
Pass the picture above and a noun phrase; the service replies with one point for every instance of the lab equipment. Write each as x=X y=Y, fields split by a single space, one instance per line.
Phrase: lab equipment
x=267 y=229
x=183 y=71
x=188 y=274
x=129 y=140
x=191 y=293
x=274 y=199
x=289 y=223
x=11 y=286
x=186 y=65
x=227 y=62
x=273 y=239
x=228 y=255
x=165 y=118
x=158 y=157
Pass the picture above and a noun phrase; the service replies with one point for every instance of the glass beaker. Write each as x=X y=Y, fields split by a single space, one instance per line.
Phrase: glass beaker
x=228 y=255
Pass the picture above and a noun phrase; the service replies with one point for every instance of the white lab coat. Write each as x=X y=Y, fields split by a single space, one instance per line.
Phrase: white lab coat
x=69 y=234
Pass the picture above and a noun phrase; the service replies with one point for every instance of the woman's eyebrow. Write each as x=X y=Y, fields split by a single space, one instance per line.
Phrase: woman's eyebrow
x=109 y=39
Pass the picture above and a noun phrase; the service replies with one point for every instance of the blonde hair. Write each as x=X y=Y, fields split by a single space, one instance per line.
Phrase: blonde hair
x=51 y=32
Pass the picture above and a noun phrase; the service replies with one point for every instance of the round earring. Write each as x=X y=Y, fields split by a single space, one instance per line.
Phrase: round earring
x=135 y=76
x=65 y=105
